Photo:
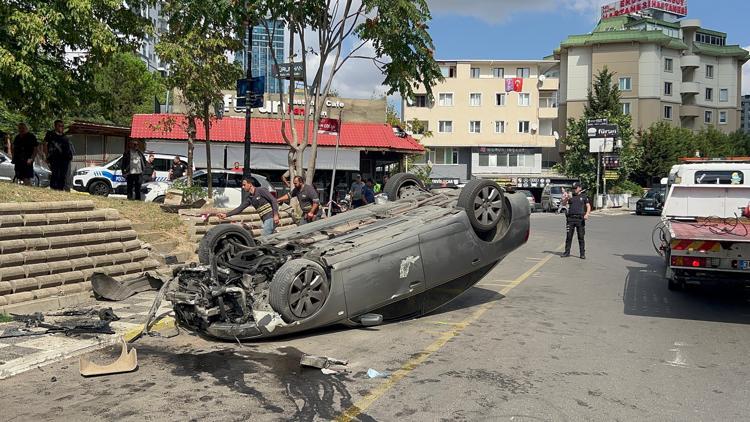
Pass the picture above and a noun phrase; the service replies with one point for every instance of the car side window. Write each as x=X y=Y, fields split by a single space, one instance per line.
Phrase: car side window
x=218 y=180
x=234 y=180
x=116 y=165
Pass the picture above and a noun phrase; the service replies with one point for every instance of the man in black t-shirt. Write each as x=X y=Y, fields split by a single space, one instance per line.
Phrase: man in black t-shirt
x=25 y=147
x=178 y=169
x=59 y=156
x=307 y=197
x=263 y=202
x=579 y=209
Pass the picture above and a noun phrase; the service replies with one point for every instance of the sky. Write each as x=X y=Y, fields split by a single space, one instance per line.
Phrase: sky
x=531 y=29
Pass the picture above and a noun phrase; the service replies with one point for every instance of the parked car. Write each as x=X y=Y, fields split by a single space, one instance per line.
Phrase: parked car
x=226 y=186
x=530 y=197
x=551 y=197
x=108 y=178
x=7 y=171
x=652 y=202
x=381 y=262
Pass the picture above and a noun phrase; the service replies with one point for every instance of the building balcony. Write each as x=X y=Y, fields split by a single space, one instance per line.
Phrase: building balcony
x=690 y=88
x=690 y=111
x=690 y=61
x=549 y=84
x=548 y=112
x=546 y=141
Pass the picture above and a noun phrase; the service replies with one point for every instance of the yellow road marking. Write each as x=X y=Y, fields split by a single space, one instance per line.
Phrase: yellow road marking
x=365 y=402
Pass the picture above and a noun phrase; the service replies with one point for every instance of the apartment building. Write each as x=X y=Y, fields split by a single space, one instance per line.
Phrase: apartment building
x=667 y=70
x=267 y=40
x=745 y=114
x=483 y=127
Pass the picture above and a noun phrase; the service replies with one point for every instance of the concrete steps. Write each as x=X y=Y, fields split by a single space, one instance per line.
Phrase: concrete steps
x=51 y=250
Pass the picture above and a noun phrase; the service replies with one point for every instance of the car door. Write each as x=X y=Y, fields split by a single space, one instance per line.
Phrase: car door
x=7 y=171
x=233 y=191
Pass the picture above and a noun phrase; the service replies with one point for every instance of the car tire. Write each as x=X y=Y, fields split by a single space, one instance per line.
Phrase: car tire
x=99 y=188
x=299 y=289
x=159 y=199
x=483 y=201
x=216 y=238
x=397 y=182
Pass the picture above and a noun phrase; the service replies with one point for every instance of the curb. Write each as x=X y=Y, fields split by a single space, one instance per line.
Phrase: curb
x=48 y=357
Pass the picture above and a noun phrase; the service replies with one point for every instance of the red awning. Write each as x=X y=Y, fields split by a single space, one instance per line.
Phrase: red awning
x=268 y=131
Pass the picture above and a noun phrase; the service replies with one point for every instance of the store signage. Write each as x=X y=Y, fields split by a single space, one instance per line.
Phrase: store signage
x=272 y=107
x=628 y=7
x=601 y=137
x=445 y=181
x=611 y=162
x=286 y=70
x=329 y=126
x=611 y=175
x=508 y=150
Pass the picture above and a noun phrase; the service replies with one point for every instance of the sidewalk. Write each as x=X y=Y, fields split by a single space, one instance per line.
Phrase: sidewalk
x=19 y=354
x=613 y=211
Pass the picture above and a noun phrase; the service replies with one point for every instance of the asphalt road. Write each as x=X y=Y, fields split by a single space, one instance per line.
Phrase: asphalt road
x=540 y=338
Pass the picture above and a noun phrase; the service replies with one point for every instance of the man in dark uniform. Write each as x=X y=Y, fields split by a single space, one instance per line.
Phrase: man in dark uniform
x=178 y=169
x=579 y=209
x=307 y=197
x=59 y=156
x=24 y=151
x=260 y=199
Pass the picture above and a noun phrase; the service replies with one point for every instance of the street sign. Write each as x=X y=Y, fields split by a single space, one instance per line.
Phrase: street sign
x=601 y=136
x=611 y=175
x=257 y=88
x=285 y=71
x=611 y=162
x=328 y=125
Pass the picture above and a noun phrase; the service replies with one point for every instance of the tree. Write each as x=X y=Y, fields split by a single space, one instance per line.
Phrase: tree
x=662 y=145
x=123 y=87
x=392 y=34
x=603 y=103
x=39 y=76
x=391 y=116
x=201 y=35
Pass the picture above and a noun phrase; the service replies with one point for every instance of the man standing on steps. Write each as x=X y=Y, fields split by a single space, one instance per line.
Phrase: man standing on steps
x=265 y=204
x=133 y=165
x=59 y=155
x=579 y=208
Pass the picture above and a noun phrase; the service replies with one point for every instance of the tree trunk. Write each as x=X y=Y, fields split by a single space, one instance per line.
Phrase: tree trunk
x=191 y=145
x=207 y=128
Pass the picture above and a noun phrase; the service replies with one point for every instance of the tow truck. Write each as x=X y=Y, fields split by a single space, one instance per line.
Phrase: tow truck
x=704 y=230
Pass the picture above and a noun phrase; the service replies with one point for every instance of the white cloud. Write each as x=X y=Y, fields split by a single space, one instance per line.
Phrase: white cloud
x=746 y=76
x=494 y=11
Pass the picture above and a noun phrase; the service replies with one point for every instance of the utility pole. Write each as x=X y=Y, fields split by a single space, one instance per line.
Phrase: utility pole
x=248 y=76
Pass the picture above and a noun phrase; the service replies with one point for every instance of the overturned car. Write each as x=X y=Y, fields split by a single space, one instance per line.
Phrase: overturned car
x=398 y=259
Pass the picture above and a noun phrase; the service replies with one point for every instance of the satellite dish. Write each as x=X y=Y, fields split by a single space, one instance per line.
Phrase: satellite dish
x=542 y=78
x=556 y=135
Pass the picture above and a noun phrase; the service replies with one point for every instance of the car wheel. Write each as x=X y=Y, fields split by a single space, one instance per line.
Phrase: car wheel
x=401 y=185
x=483 y=201
x=159 y=199
x=99 y=187
x=299 y=289
x=219 y=237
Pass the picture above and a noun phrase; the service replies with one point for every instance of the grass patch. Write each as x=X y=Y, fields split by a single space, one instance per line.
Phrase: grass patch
x=5 y=318
x=137 y=212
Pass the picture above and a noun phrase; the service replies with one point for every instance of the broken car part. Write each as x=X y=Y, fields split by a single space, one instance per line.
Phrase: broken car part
x=106 y=287
x=382 y=262
x=321 y=362
x=127 y=362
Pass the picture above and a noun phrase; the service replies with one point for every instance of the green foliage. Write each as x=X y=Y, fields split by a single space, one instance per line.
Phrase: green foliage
x=37 y=78
x=603 y=102
x=419 y=127
x=190 y=193
x=5 y=318
x=627 y=186
x=391 y=116
x=123 y=87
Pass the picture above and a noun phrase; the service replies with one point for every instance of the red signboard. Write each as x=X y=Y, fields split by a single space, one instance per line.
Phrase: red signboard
x=627 y=7
x=328 y=125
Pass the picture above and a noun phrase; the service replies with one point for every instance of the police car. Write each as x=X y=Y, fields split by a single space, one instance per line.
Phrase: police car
x=106 y=179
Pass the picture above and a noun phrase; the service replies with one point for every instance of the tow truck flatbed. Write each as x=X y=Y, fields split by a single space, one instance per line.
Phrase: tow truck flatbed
x=716 y=230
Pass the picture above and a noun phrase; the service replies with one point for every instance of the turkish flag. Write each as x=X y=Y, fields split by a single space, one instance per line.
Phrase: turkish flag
x=509 y=85
x=518 y=84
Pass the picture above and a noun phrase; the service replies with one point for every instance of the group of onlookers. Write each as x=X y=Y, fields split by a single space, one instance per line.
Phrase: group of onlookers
x=57 y=150
x=363 y=192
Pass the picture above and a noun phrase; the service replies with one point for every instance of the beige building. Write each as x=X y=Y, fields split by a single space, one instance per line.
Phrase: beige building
x=673 y=71
x=481 y=129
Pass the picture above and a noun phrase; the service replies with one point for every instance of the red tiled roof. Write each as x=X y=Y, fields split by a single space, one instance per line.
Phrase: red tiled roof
x=268 y=131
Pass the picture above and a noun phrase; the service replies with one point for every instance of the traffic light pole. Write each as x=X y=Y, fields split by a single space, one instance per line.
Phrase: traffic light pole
x=248 y=75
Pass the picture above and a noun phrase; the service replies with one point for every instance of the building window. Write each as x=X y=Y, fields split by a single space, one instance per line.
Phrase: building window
x=448 y=71
x=625 y=84
x=445 y=99
x=668 y=112
x=454 y=156
x=499 y=126
x=512 y=160
x=445 y=126
x=626 y=109
x=523 y=72
x=708 y=116
x=484 y=160
x=709 y=71
x=523 y=126
x=668 y=88
x=668 y=64
x=475 y=72
x=723 y=95
x=722 y=117
x=498 y=72
x=709 y=94
x=500 y=99
x=420 y=100
x=524 y=99
x=475 y=99
x=475 y=126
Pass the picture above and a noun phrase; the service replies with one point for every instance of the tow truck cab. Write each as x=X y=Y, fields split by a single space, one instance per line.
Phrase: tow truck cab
x=706 y=222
